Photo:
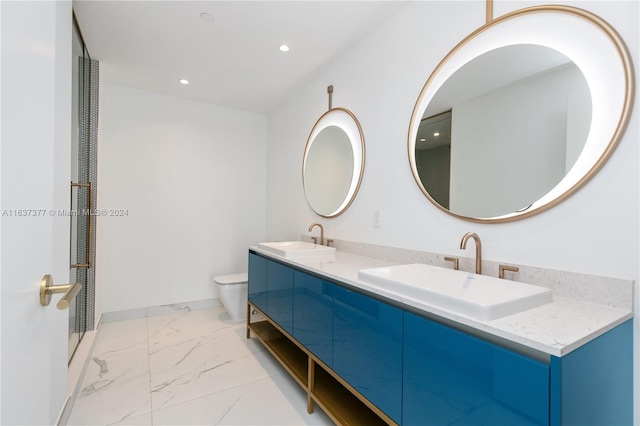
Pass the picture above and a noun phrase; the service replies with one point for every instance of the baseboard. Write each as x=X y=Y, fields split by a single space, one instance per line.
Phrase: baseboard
x=63 y=417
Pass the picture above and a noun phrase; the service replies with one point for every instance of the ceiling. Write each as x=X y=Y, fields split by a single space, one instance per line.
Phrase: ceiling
x=233 y=61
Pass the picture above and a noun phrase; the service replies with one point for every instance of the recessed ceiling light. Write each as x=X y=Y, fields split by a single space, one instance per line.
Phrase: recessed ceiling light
x=283 y=48
x=423 y=140
x=207 y=17
x=436 y=134
x=184 y=81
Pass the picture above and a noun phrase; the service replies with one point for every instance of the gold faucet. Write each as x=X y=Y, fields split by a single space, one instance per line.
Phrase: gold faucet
x=321 y=233
x=503 y=268
x=463 y=245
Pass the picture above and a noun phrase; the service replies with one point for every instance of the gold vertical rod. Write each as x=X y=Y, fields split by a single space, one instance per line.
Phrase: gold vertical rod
x=248 y=320
x=311 y=379
x=489 y=11
x=71 y=265
x=330 y=92
x=91 y=225
x=92 y=212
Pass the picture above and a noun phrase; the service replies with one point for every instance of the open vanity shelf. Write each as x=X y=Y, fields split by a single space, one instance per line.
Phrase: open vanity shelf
x=343 y=404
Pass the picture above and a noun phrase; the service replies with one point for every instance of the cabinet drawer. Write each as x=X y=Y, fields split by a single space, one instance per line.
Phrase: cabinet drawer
x=451 y=377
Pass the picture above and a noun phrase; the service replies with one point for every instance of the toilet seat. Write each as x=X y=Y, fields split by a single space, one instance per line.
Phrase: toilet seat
x=232 y=279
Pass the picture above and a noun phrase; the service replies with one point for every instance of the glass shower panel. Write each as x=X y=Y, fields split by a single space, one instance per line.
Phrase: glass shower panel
x=79 y=205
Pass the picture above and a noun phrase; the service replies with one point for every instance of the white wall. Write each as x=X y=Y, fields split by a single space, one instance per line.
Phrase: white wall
x=596 y=231
x=192 y=179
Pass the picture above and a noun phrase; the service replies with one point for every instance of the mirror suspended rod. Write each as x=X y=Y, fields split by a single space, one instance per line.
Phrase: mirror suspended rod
x=330 y=92
x=489 y=11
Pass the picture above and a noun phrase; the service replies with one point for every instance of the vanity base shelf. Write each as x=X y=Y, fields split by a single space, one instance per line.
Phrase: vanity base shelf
x=323 y=388
x=346 y=409
x=284 y=350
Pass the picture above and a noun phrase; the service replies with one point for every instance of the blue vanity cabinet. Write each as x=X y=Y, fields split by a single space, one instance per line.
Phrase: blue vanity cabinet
x=313 y=315
x=419 y=371
x=271 y=289
x=258 y=281
x=367 y=348
x=280 y=295
x=451 y=377
x=593 y=385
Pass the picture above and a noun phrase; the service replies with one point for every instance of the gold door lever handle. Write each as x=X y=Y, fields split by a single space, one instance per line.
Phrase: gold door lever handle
x=47 y=289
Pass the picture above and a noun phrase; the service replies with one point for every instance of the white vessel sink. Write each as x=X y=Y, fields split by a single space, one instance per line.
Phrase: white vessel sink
x=476 y=296
x=296 y=249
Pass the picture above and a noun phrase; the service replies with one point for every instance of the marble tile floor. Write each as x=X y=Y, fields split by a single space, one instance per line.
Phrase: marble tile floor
x=187 y=368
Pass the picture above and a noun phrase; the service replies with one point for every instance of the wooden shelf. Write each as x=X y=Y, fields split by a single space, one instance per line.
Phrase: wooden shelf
x=341 y=405
x=292 y=358
x=334 y=398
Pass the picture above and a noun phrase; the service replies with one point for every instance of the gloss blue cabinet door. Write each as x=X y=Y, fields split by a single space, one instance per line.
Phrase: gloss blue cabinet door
x=367 y=348
x=258 y=281
x=451 y=377
x=280 y=295
x=593 y=385
x=313 y=315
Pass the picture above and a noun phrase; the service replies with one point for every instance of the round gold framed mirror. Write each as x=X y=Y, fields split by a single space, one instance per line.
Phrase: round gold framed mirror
x=515 y=119
x=333 y=162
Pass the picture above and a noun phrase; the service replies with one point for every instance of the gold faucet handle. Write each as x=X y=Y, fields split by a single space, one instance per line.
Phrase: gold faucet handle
x=315 y=240
x=455 y=260
x=329 y=241
x=503 y=268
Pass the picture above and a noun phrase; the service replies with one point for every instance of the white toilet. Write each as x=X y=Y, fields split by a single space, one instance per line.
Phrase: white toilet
x=232 y=290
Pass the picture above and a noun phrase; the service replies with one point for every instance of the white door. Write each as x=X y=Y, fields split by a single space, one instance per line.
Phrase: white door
x=35 y=129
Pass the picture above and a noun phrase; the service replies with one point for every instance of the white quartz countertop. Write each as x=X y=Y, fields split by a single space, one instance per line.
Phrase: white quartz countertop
x=556 y=328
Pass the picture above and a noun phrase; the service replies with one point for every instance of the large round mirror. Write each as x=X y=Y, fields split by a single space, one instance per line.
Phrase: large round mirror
x=516 y=119
x=333 y=162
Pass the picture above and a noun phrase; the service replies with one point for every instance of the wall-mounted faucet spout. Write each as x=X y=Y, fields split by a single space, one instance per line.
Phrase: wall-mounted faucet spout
x=463 y=245
x=321 y=233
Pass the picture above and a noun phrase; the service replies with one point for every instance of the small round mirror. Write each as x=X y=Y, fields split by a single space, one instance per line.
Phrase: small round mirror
x=333 y=162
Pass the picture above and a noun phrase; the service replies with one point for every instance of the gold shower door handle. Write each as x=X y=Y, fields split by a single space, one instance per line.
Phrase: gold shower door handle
x=47 y=289
x=90 y=230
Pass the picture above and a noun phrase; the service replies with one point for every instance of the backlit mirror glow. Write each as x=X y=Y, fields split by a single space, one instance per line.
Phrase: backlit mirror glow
x=333 y=162
x=596 y=112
